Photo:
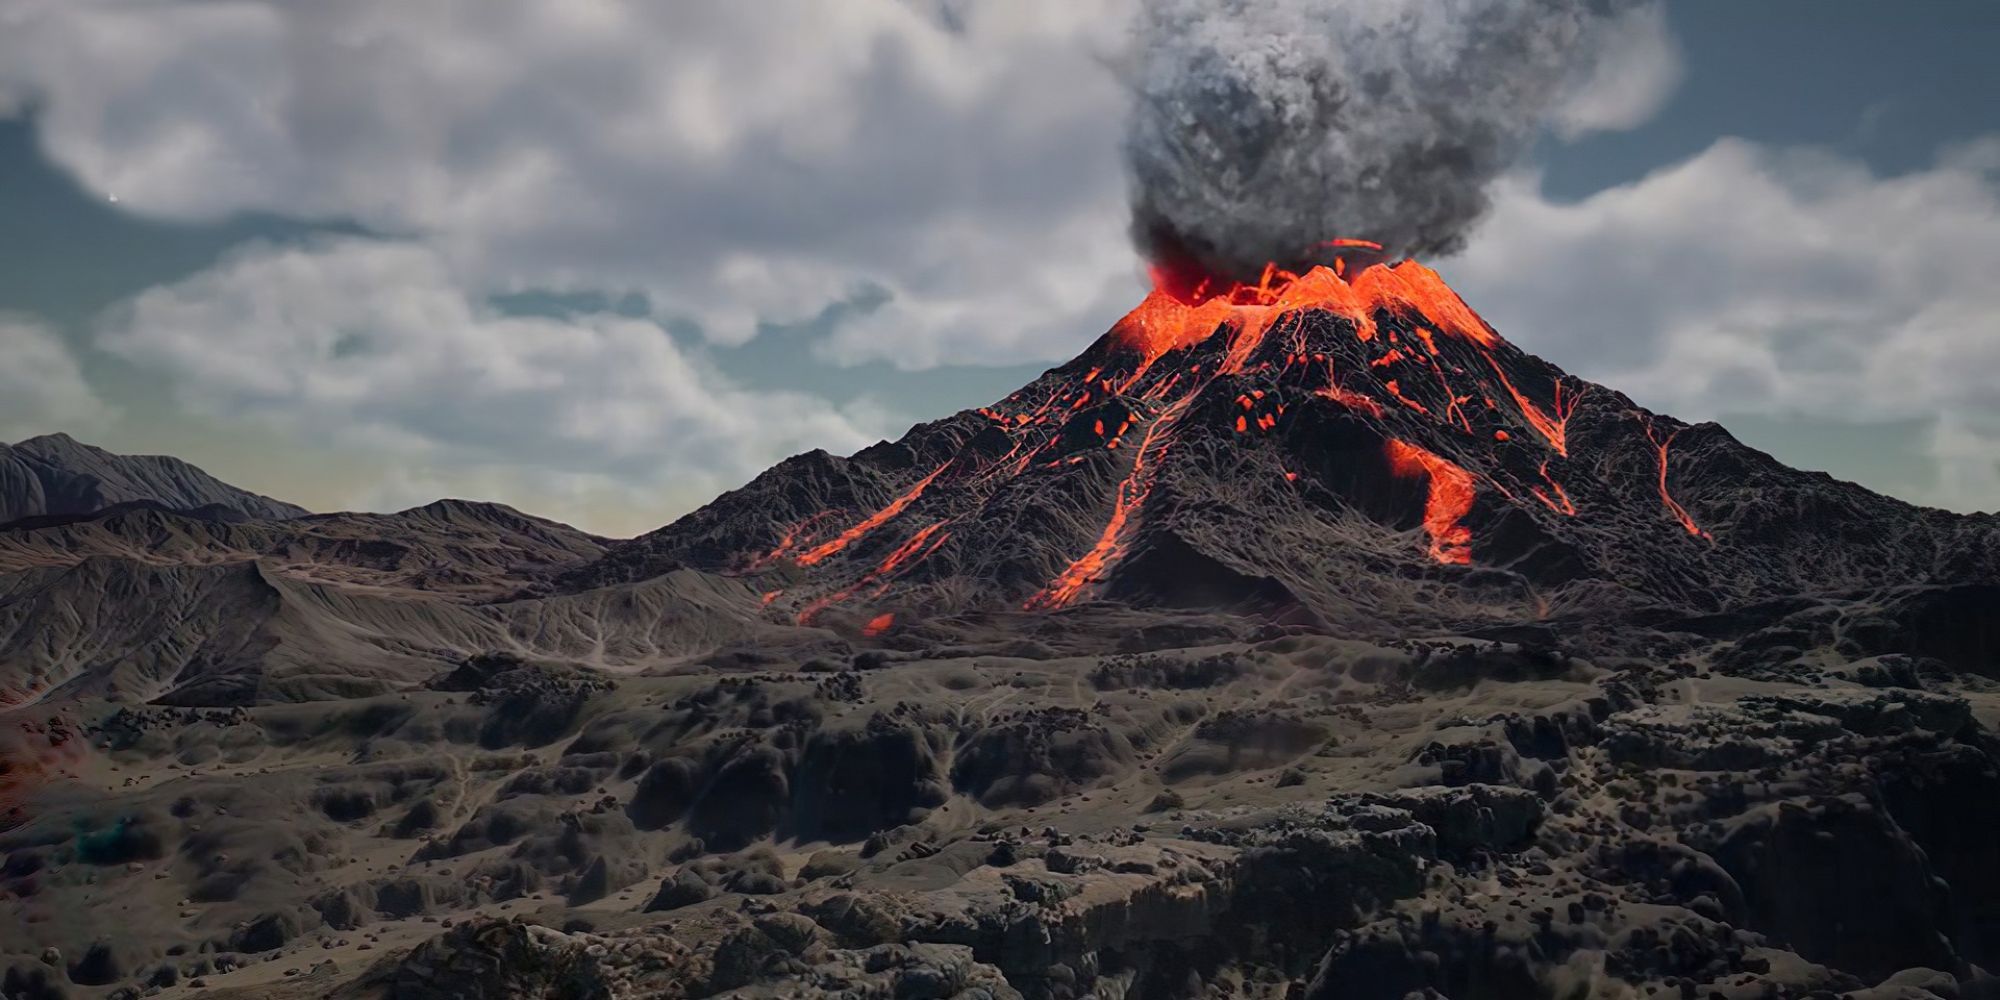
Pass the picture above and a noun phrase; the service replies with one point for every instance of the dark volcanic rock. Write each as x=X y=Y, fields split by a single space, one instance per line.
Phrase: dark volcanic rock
x=1836 y=880
x=495 y=960
x=851 y=783
x=683 y=888
x=57 y=475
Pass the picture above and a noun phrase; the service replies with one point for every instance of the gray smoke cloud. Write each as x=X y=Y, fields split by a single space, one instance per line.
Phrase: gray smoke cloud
x=1261 y=128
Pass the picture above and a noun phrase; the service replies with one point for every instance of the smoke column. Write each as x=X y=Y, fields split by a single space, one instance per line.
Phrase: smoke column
x=1262 y=127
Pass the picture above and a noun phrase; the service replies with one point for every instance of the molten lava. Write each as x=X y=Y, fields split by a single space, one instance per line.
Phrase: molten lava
x=1450 y=499
x=792 y=538
x=1132 y=493
x=914 y=549
x=1673 y=506
x=1176 y=316
x=1556 y=497
x=819 y=552
x=1554 y=428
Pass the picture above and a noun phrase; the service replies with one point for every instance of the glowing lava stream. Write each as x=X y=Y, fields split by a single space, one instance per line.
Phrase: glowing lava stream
x=1450 y=499
x=1164 y=323
x=791 y=538
x=1673 y=506
x=1565 y=507
x=915 y=549
x=1132 y=493
x=820 y=552
x=1553 y=429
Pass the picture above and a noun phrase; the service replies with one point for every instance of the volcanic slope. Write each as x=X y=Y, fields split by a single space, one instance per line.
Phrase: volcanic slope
x=1315 y=449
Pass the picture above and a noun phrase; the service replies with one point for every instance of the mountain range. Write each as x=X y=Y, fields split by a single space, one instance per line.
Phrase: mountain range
x=1299 y=639
x=57 y=476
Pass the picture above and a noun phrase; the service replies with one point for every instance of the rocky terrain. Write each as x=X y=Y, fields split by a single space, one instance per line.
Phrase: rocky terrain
x=58 y=476
x=1313 y=644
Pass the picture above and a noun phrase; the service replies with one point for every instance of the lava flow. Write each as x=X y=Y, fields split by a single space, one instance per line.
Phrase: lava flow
x=1132 y=493
x=1383 y=354
x=1673 y=506
x=819 y=553
x=915 y=549
x=1450 y=499
x=1179 y=314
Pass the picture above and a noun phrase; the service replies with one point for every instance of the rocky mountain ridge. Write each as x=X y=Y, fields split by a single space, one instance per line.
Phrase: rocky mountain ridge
x=56 y=475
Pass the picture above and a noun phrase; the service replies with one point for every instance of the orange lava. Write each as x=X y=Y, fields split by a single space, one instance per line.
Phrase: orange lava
x=1396 y=390
x=1165 y=322
x=878 y=624
x=1132 y=492
x=920 y=544
x=792 y=537
x=1673 y=506
x=1358 y=402
x=1343 y=243
x=1449 y=501
x=1552 y=428
x=1557 y=498
x=1185 y=310
x=1162 y=323
x=819 y=553
x=915 y=549
x=1352 y=400
x=1412 y=286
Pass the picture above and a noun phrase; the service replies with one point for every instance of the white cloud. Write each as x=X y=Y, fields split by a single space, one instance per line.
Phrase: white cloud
x=735 y=162
x=999 y=296
x=372 y=343
x=1638 y=67
x=42 y=388
x=740 y=163
x=1750 y=279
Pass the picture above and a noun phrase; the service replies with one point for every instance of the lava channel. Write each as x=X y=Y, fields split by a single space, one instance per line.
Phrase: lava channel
x=1449 y=499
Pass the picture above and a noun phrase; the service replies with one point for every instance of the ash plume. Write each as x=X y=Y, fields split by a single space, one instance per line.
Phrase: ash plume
x=1261 y=128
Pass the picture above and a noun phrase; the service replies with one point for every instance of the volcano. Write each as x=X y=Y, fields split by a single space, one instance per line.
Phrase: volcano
x=1300 y=638
x=1357 y=450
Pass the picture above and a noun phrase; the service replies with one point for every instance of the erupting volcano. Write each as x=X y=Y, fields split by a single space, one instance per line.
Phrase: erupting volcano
x=1291 y=445
x=1294 y=583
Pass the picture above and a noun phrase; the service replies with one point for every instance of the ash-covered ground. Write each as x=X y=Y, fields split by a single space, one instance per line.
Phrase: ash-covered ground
x=1221 y=810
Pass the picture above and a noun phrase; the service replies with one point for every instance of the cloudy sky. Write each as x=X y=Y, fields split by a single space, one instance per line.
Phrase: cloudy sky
x=601 y=260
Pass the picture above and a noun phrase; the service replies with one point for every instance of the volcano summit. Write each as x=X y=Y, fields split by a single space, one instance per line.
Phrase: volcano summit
x=1301 y=638
x=1323 y=448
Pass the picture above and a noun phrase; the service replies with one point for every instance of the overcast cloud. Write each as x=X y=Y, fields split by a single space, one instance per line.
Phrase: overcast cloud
x=1757 y=280
x=741 y=164
x=42 y=389
x=370 y=343
x=737 y=162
